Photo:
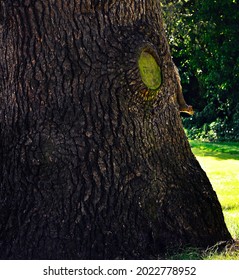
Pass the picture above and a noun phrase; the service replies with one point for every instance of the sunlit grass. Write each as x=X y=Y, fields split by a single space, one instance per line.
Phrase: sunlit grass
x=223 y=256
x=224 y=176
x=221 y=163
x=230 y=253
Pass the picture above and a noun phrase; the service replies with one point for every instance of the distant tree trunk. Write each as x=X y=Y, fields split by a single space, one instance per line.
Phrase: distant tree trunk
x=94 y=160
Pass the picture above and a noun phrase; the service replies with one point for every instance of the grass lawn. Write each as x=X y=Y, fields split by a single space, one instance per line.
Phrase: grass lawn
x=221 y=163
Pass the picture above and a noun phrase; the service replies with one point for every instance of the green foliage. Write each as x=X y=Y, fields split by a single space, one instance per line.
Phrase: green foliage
x=203 y=36
x=216 y=130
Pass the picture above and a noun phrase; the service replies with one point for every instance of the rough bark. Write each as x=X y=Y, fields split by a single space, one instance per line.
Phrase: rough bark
x=93 y=164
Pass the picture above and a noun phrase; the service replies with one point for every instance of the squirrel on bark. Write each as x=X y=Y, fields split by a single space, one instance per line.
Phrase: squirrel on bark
x=183 y=107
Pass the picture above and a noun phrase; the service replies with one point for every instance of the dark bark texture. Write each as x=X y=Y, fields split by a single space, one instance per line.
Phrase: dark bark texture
x=93 y=164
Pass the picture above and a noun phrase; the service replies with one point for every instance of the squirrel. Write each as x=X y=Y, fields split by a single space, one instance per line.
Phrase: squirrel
x=183 y=107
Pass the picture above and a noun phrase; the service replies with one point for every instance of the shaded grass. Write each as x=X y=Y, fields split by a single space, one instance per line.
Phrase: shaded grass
x=230 y=252
x=222 y=150
x=186 y=254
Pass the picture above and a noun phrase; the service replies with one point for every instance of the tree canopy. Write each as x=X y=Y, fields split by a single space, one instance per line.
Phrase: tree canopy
x=204 y=41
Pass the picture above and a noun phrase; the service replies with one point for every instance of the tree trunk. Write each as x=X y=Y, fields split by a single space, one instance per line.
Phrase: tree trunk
x=94 y=162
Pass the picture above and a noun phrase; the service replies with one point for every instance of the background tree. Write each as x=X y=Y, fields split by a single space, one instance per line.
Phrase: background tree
x=94 y=159
x=203 y=36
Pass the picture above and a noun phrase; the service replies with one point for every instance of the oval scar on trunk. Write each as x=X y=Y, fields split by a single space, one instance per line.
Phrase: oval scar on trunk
x=149 y=70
